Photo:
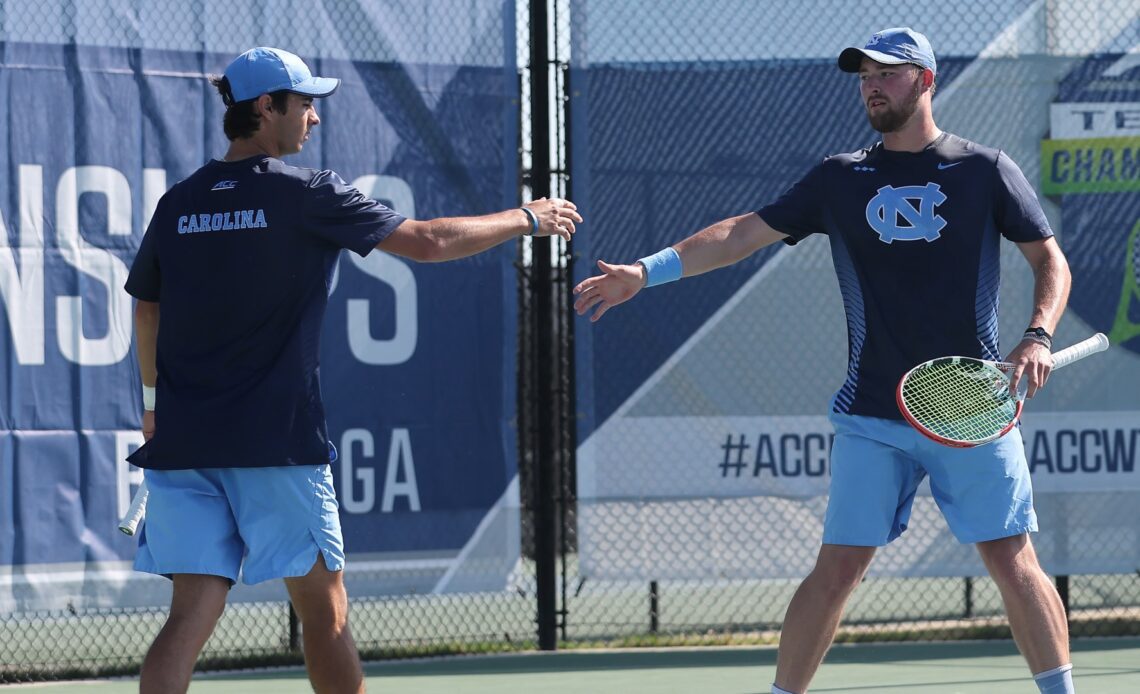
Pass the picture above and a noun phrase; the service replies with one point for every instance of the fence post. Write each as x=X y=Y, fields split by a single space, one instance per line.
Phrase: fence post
x=542 y=313
x=654 y=608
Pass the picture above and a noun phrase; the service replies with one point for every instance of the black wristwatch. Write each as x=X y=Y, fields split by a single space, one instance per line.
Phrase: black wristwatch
x=1038 y=335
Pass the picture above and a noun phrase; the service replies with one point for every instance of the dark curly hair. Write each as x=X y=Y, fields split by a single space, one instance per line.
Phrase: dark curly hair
x=241 y=119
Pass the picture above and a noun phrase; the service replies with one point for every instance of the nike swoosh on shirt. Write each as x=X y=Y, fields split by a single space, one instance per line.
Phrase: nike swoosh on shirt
x=945 y=165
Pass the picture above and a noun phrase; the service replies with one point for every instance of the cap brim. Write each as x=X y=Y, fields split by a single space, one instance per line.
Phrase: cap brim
x=851 y=59
x=317 y=86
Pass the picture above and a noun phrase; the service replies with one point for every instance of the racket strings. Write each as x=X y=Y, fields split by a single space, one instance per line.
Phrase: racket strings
x=961 y=401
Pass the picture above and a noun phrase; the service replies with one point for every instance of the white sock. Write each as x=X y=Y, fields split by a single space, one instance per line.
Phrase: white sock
x=777 y=690
x=1059 y=680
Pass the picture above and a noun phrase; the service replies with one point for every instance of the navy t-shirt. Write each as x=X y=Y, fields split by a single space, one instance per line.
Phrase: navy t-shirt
x=240 y=258
x=915 y=241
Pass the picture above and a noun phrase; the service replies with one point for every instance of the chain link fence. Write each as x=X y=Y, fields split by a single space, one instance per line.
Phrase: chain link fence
x=421 y=62
x=688 y=121
x=702 y=456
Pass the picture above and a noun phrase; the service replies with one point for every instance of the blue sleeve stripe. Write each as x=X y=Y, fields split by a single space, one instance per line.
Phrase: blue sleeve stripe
x=987 y=293
x=856 y=320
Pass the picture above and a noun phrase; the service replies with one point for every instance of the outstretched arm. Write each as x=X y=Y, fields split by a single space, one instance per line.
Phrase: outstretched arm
x=1050 y=295
x=448 y=238
x=723 y=243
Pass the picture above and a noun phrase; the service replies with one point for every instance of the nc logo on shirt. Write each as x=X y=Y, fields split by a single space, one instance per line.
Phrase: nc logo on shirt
x=913 y=205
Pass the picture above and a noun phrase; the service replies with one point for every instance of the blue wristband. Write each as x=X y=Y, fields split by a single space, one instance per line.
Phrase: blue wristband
x=661 y=267
x=533 y=220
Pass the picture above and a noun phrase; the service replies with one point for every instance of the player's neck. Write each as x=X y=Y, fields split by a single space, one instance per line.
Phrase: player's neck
x=246 y=147
x=914 y=137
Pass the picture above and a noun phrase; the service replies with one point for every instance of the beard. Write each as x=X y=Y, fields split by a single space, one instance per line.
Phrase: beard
x=893 y=119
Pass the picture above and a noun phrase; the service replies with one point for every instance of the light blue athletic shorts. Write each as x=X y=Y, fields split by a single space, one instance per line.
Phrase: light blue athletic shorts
x=267 y=522
x=984 y=492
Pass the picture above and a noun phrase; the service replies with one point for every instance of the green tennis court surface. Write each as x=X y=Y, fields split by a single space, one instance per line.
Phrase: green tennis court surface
x=1108 y=666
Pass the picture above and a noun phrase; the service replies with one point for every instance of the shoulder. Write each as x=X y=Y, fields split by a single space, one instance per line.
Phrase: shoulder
x=297 y=175
x=205 y=175
x=847 y=161
x=953 y=148
x=177 y=196
x=997 y=164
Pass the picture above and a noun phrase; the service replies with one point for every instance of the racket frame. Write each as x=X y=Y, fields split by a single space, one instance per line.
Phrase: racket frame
x=1000 y=369
x=1089 y=346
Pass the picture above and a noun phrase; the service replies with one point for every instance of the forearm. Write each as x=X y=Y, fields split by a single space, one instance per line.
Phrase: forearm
x=146 y=340
x=724 y=243
x=459 y=237
x=1050 y=291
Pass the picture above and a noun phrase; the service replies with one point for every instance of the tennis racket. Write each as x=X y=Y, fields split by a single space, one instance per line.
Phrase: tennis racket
x=965 y=402
x=135 y=511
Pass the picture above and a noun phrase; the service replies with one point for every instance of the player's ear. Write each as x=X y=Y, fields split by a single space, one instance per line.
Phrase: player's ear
x=265 y=103
x=927 y=78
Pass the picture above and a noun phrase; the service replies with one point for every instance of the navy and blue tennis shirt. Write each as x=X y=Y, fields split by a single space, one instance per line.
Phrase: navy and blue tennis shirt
x=915 y=241
x=240 y=258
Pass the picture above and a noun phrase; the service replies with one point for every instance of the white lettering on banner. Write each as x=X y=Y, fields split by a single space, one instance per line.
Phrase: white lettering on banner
x=401 y=466
x=400 y=347
x=1077 y=121
x=97 y=263
x=127 y=476
x=400 y=461
x=719 y=457
x=22 y=290
x=350 y=474
x=22 y=268
x=396 y=194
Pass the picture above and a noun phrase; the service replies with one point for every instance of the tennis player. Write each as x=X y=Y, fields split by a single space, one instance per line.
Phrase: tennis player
x=914 y=223
x=238 y=259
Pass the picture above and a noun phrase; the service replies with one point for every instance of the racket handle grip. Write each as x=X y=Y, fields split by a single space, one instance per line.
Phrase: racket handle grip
x=1094 y=344
x=136 y=511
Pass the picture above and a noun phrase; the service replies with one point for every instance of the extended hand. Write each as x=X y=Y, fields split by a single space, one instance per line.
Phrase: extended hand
x=556 y=216
x=616 y=286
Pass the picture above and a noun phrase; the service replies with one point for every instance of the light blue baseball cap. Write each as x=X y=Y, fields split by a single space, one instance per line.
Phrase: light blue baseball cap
x=263 y=70
x=891 y=47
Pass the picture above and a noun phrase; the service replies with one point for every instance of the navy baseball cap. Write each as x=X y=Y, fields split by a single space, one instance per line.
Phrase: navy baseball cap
x=263 y=70
x=891 y=47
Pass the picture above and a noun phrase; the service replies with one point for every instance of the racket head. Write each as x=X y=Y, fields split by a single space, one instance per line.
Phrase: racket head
x=959 y=401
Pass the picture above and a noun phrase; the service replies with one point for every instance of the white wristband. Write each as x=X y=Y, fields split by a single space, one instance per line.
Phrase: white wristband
x=148 y=398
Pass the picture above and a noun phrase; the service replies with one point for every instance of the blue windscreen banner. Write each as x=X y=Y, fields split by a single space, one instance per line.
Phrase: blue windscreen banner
x=418 y=360
x=704 y=441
